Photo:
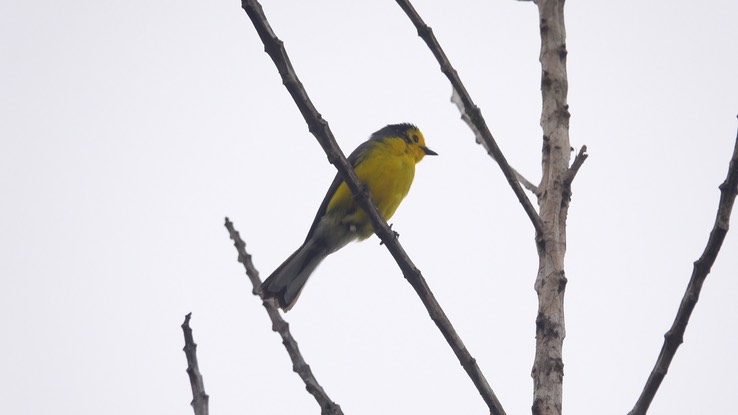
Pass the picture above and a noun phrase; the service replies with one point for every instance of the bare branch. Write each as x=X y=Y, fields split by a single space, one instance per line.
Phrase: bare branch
x=674 y=337
x=327 y=406
x=199 y=397
x=456 y=99
x=574 y=169
x=473 y=113
x=550 y=285
x=319 y=128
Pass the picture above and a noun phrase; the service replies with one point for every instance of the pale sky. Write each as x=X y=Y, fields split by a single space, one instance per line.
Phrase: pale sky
x=129 y=130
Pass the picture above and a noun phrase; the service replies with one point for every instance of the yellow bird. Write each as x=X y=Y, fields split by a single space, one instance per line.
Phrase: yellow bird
x=385 y=164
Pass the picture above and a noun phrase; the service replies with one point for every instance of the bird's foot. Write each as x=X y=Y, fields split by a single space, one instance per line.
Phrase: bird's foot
x=396 y=234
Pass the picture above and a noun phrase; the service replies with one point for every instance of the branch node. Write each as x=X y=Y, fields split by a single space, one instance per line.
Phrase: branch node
x=574 y=169
x=562 y=51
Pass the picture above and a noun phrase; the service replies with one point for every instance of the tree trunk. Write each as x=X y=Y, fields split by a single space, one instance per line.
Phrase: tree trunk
x=553 y=201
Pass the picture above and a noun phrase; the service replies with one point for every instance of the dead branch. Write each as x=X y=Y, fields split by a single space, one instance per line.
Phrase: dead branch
x=456 y=100
x=299 y=366
x=674 y=337
x=574 y=169
x=550 y=285
x=472 y=112
x=200 y=399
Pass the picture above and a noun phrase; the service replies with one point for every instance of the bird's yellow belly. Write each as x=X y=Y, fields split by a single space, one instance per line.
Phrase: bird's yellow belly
x=388 y=182
x=388 y=178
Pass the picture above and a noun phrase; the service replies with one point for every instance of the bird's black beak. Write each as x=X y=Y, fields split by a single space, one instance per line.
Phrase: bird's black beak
x=428 y=151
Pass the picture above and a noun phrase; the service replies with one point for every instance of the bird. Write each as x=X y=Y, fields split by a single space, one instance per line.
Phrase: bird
x=385 y=165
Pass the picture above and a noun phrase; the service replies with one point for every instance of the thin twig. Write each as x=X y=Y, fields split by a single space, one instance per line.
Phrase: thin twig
x=674 y=337
x=456 y=99
x=319 y=128
x=199 y=397
x=327 y=406
x=574 y=169
x=473 y=112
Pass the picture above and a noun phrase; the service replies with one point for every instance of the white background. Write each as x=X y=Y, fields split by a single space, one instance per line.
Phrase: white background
x=129 y=130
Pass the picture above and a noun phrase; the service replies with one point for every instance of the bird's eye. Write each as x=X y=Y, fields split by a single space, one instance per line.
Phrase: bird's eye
x=415 y=138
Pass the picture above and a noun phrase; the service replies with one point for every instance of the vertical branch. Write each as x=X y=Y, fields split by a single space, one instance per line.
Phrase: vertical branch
x=199 y=397
x=548 y=367
x=673 y=338
x=553 y=193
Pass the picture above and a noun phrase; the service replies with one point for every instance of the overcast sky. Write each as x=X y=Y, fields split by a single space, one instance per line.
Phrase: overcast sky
x=129 y=130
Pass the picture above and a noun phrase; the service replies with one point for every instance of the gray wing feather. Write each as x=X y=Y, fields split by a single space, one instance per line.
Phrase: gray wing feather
x=354 y=159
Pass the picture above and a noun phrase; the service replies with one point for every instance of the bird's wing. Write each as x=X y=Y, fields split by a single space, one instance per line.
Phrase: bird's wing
x=355 y=158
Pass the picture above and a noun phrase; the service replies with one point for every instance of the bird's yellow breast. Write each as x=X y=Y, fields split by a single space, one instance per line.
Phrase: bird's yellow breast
x=388 y=171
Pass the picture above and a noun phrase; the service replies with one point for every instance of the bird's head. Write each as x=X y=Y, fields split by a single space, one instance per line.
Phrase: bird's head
x=411 y=137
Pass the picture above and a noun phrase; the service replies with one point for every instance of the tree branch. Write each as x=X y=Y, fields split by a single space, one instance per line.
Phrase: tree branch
x=473 y=113
x=574 y=169
x=674 y=337
x=199 y=397
x=550 y=285
x=299 y=366
x=319 y=128
x=456 y=99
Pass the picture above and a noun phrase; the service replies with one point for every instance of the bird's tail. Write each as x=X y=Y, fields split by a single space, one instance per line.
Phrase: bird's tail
x=287 y=281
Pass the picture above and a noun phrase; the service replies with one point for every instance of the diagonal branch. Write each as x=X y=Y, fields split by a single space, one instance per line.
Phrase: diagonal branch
x=674 y=337
x=456 y=99
x=473 y=113
x=327 y=406
x=319 y=128
x=199 y=397
x=574 y=169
